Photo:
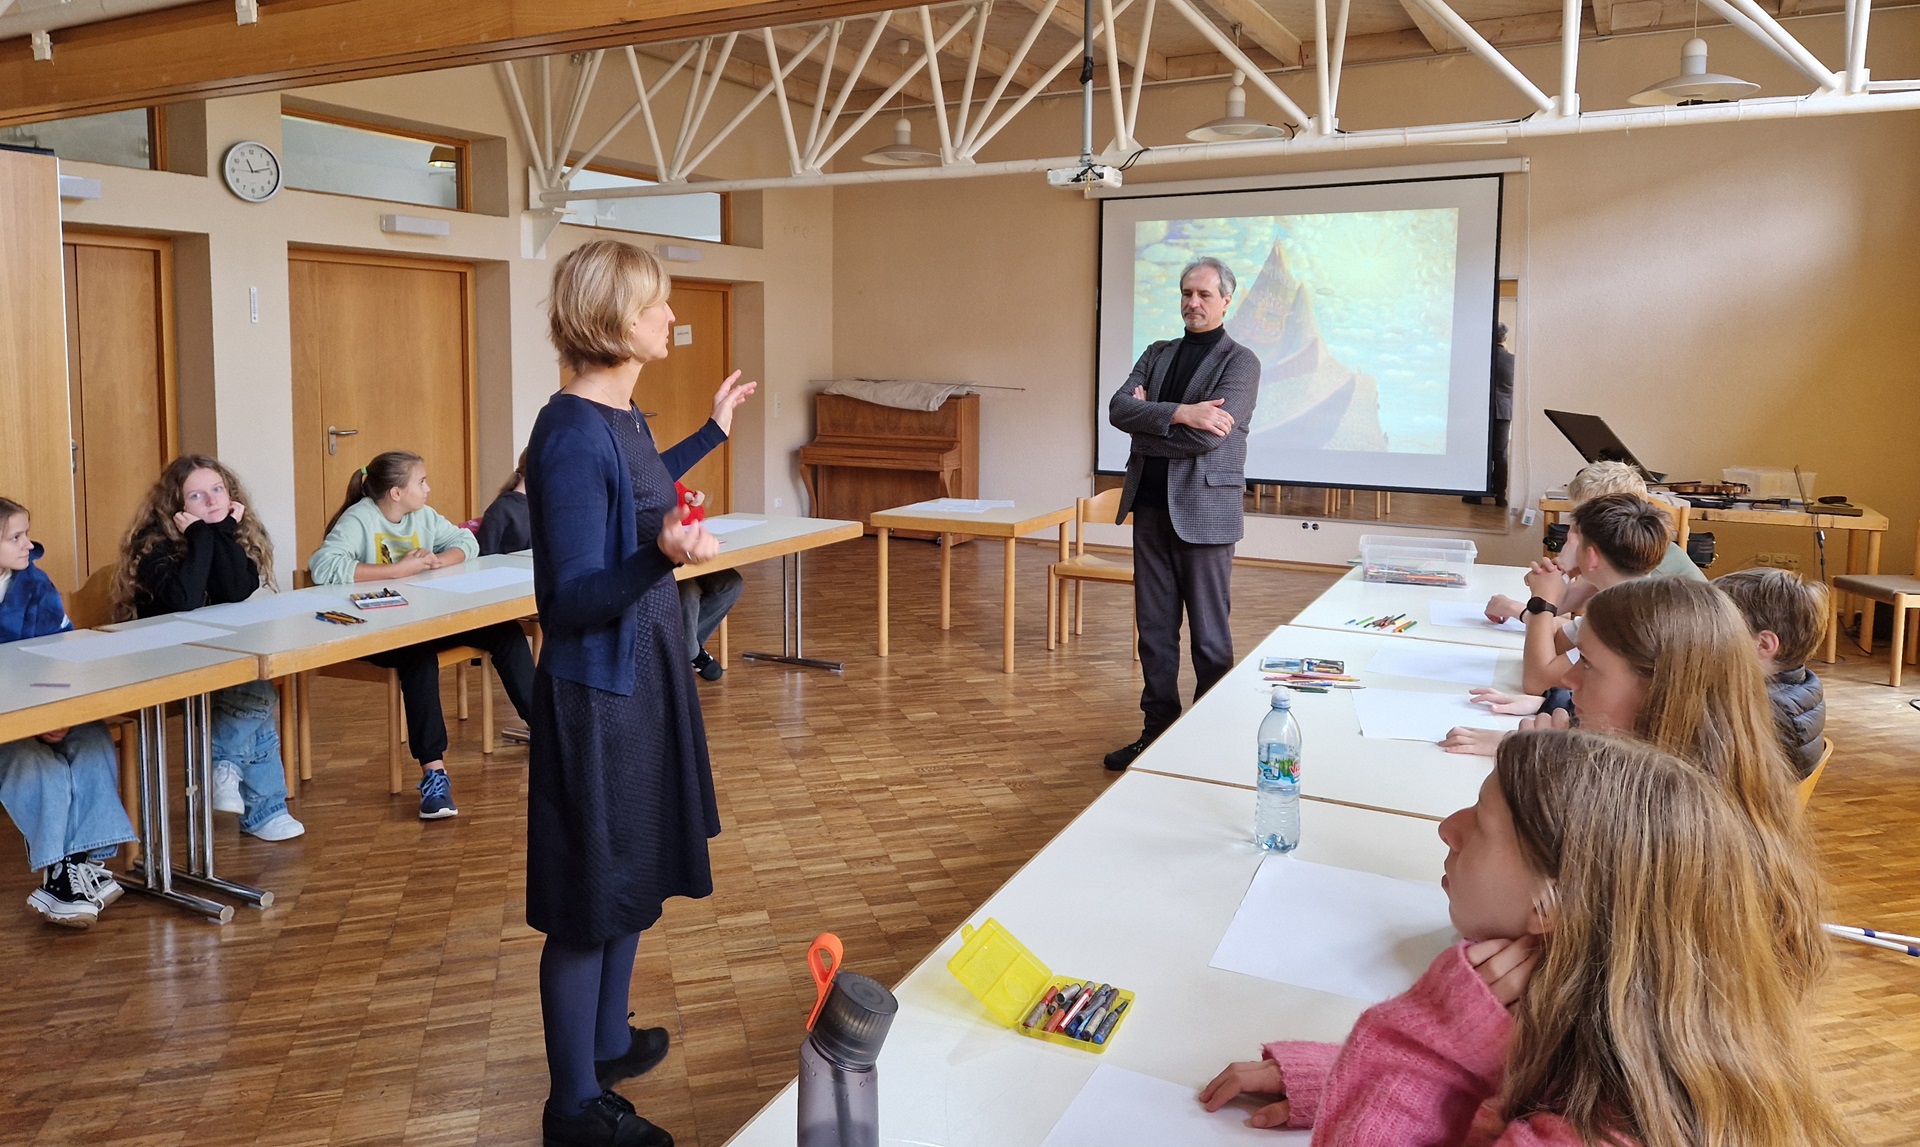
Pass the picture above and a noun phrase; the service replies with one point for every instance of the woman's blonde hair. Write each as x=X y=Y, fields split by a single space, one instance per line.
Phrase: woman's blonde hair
x=597 y=290
x=153 y=528
x=1707 y=704
x=1656 y=1012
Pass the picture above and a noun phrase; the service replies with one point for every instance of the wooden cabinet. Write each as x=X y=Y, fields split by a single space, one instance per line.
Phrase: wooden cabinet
x=866 y=457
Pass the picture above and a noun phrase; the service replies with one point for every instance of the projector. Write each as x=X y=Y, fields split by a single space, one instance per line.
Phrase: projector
x=1087 y=176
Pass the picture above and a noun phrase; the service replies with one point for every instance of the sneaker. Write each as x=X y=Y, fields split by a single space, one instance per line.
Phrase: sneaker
x=226 y=788
x=62 y=897
x=436 y=796
x=608 y=1121
x=1120 y=758
x=105 y=888
x=645 y=1049
x=282 y=826
x=708 y=667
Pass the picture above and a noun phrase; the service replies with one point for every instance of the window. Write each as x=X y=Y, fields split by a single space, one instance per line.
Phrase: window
x=324 y=154
x=124 y=139
x=695 y=215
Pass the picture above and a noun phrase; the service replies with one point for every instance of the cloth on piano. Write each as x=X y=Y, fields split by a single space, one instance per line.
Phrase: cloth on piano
x=905 y=394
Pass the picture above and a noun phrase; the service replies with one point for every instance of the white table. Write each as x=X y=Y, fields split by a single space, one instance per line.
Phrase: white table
x=1351 y=598
x=788 y=539
x=1214 y=739
x=1167 y=861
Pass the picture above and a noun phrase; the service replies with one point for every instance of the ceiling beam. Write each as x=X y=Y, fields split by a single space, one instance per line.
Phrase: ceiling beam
x=994 y=61
x=881 y=70
x=1066 y=17
x=1435 y=32
x=1261 y=27
x=1603 y=16
x=199 y=52
x=747 y=73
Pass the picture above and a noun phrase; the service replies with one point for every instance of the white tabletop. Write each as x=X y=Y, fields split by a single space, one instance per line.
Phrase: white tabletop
x=1351 y=598
x=71 y=692
x=1155 y=870
x=1214 y=740
x=769 y=536
x=996 y=520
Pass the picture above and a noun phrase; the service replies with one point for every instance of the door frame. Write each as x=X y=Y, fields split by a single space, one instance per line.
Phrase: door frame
x=725 y=291
x=470 y=372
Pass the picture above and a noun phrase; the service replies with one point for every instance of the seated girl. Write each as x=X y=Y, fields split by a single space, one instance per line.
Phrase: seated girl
x=193 y=544
x=1615 y=986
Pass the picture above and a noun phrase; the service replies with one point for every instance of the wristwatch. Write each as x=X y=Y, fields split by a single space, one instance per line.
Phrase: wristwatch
x=1542 y=605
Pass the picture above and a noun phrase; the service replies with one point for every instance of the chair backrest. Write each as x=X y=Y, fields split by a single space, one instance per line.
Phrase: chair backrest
x=1812 y=780
x=1098 y=509
x=1677 y=521
x=91 y=605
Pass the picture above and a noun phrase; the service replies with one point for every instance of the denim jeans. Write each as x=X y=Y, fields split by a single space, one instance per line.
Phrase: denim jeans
x=704 y=600
x=65 y=797
x=247 y=736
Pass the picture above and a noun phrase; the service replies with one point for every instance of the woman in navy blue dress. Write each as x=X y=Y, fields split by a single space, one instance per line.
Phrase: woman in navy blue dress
x=620 y=801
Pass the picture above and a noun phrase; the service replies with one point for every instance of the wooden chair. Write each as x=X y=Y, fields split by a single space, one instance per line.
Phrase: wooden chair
x=1083 y=567
x=1901 y=591
x=1812 y=779
x=460 y=657
x=89 y=607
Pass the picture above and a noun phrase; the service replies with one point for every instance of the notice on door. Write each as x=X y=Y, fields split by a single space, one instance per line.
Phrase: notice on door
x=683 y=335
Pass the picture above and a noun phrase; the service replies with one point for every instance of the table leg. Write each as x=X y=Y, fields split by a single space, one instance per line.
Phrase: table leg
x=303 y=694
x=1006 y=625
x=793 y=626
x=1873 y=550
x=154 y=874
x=882 y=534
x=199 y=738
x=946 y=581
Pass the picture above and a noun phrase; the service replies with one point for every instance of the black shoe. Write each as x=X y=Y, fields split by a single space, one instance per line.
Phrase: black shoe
x=1123 y=756
x=647 y=1047
x=65 y=896
x=608 y=1121
x=708 y=668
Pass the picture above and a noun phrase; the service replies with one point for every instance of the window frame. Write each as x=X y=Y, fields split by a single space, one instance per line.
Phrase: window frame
x=625 y=172
x=463 y=186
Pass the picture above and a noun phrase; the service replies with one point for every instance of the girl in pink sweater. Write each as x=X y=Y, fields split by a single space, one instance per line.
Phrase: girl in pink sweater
x=1622 y=988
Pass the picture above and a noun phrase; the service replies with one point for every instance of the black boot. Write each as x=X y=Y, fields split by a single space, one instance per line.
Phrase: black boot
x=647 y=1047
x=608 y=1121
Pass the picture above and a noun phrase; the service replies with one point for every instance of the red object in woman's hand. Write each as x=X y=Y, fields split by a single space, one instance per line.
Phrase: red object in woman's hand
x=694 y=501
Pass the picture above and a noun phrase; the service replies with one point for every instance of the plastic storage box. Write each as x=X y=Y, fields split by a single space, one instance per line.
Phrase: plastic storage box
x=1771 y=481
x=1011 y=981
x=1440 y=562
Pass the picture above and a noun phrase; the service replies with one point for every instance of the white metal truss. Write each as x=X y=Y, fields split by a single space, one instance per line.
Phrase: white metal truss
x=816 y=130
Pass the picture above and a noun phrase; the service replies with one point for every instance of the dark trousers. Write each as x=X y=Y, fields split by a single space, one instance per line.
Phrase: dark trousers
x=704 y=601
x=419 y=668
x=1171 y=576
x=1502 y=448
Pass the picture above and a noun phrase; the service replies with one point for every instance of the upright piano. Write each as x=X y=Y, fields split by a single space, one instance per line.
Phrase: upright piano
x=866 y=457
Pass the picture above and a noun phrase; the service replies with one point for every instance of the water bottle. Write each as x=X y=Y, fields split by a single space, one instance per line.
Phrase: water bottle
x=839 y=1092
x=1276 y=811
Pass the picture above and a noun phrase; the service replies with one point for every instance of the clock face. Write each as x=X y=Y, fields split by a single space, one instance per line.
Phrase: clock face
x=252 y=171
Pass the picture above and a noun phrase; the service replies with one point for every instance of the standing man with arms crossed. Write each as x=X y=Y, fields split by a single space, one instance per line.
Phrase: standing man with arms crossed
x=1187 y=405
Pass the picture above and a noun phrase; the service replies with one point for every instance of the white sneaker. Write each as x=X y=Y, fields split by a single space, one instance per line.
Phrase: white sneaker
x=226 y=788
x=281 y=827
x=105 y=888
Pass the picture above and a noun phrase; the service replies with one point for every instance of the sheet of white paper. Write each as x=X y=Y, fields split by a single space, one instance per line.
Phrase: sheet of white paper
x=720 y=526
x=1437 y=661
x=1468 y=615
x=960 y=505
x=1121 y=1108
x=1403 y=715
x=1354 y=934
x=265 y=607
x=94 y=645
x=478 y=581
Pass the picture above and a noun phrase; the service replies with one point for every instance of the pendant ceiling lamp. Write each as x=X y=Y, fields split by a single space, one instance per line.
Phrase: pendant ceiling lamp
x=1695 y=84
x=1236 y=124
x=902 y=152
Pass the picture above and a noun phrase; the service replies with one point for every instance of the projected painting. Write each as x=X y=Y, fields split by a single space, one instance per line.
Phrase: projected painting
x=1350 y=313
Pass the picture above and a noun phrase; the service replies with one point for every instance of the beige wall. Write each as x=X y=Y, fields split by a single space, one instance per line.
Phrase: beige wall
x=1722 y=295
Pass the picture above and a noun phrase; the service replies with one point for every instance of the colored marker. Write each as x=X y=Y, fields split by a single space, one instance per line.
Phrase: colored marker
x=1040 y=1009
x=1106 y=1025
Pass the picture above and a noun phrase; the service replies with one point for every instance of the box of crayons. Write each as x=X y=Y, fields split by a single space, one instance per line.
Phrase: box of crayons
x=1442 y=563
x=378 y=599
x=1025 y=995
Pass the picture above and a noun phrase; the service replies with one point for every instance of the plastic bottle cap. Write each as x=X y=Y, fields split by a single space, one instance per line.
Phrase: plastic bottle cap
x=1282 y=697
x=854 y=1022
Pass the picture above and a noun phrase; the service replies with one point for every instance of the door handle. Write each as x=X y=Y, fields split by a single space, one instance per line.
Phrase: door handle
x=334 y=435
x=649 y=414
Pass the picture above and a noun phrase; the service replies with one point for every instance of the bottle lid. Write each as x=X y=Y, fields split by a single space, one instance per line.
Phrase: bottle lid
x=1282 y=697
x=854 y=1022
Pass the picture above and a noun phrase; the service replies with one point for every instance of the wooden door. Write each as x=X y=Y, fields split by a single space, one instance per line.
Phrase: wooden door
x=36 y=467
x=676 y=394
x=120 y=383
x=382 y=348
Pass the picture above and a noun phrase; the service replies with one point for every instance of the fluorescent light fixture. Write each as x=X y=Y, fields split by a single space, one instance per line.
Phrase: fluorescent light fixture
x=1695 y=84
x=415 y=225
x=675 y=253
x=79 y=187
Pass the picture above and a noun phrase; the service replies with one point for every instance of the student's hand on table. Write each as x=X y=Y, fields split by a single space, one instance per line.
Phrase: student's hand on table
x=54 y=736
x=1471 y=742
x=182 y=520
x=686 y=544
x=1505 y=966
x=1250 y=1077
x=1558 y=719
x=1504 y=703
x=1503 y=608
x=1210 y=416
x=728 y=398
x=1546 y=581
x=413 y=562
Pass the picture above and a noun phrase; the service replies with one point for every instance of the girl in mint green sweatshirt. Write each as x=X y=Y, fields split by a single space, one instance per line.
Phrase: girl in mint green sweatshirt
x=386 y=531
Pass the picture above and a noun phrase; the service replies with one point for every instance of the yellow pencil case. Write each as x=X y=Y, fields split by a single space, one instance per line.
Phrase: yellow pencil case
x=1010 y=980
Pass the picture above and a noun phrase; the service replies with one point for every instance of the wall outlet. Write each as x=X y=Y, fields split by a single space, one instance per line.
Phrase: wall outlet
x=1528 y=516
x=779 y=502
x=1779 y=561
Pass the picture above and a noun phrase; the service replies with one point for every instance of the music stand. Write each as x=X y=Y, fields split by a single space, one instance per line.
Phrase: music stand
x=1596 y=441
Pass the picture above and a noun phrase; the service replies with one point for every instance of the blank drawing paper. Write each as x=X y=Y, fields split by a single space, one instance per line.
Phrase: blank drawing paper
x=720 y=526
x=1437 y=661
x=1403 y=715
x=960 y=505
x=1121 y=1108
x=478 y=581
x=96 y=645
x=264 y=607
x=1354 y=934
x=1467 y=615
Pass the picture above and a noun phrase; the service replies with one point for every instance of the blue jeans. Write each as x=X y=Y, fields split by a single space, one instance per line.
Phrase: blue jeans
x=65 y=797
x=704 y=601
x=246 y=735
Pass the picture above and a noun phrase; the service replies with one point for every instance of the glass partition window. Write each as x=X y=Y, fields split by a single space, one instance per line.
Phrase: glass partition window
x=124 y=139
x=372 y=163
x=695 y=215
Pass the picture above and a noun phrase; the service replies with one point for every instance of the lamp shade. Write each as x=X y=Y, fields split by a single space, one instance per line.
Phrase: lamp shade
x=443 y=156
x=902 y=152
x=1236 y=124
x=1695 y=84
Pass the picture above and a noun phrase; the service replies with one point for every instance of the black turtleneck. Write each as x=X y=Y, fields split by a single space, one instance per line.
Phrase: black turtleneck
x=1193 y=349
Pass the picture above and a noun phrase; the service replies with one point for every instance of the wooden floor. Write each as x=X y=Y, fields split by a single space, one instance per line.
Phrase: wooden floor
x=389 y=997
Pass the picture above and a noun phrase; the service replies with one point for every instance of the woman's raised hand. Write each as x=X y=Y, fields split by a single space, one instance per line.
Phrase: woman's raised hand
x=686 y=544
x=728 y=398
